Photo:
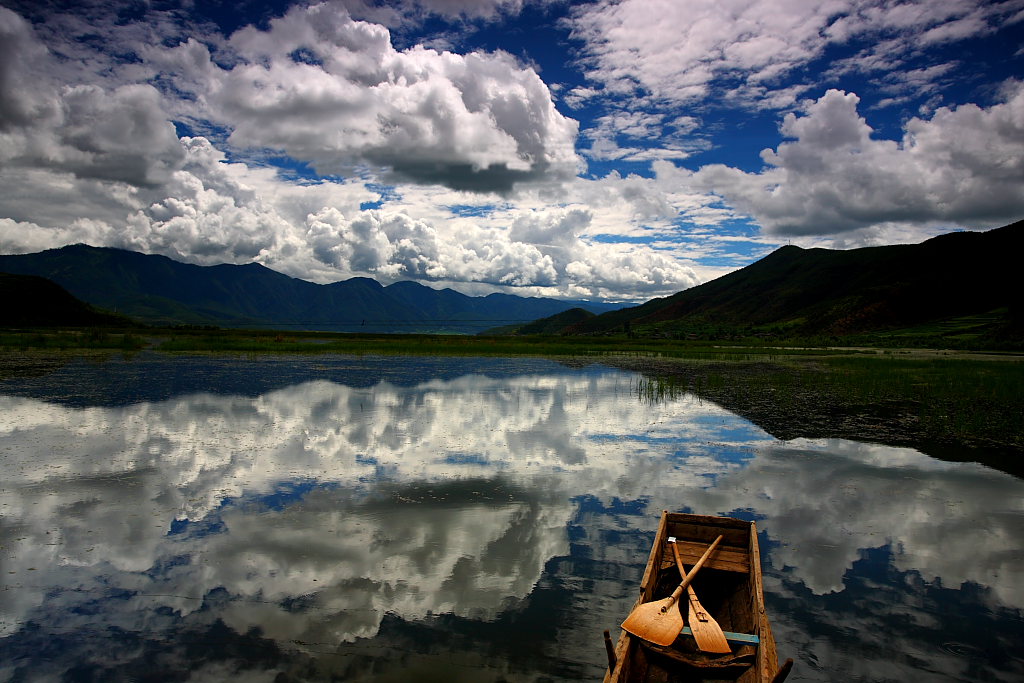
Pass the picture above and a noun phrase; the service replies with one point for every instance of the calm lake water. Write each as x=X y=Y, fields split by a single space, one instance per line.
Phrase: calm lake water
x=447 y=519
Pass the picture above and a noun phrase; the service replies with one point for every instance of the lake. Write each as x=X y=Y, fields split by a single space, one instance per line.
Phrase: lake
x=327 y=518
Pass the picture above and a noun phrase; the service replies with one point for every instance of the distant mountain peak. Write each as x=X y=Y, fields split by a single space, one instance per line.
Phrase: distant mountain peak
x=365 y=281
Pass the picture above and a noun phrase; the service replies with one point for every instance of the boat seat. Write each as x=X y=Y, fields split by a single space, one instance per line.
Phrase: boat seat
x=725 y=558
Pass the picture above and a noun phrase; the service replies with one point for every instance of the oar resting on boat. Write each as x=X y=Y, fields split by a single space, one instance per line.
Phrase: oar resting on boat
x=730 y=584
x=660 y=621
x=703 y=626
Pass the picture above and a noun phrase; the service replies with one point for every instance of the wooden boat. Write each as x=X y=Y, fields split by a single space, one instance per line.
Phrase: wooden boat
x=728 y=587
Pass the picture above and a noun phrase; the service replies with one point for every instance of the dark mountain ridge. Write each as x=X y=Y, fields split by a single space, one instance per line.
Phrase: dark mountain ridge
x=32 y=301
x=822 y=291
x=158 y=290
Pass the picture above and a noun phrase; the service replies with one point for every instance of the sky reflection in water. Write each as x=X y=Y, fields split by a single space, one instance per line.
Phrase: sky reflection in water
x=463 y=519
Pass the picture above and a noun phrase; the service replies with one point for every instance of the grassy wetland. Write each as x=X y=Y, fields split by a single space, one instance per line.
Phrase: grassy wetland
x=957 y=405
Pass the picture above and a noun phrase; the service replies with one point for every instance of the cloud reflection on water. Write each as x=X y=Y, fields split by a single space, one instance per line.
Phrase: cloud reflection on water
x=107 y=484
x=311 y=512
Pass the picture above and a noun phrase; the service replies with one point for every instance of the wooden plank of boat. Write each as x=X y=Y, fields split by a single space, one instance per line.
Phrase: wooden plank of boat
x=730 y=589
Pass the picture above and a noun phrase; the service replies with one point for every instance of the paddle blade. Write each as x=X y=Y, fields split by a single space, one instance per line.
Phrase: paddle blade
x=706 y=630
x=647 y=621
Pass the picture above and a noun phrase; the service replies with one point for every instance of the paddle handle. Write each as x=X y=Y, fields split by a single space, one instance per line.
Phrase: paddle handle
x=689 y=577
x=689 y=589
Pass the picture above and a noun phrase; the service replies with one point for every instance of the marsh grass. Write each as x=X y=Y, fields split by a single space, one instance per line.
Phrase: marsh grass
x=953 y=397
x=415 y=344
x=68 y=340
x=888 y=398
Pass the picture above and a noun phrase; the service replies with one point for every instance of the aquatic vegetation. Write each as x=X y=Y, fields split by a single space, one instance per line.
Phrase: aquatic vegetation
x=63 y=340
x=956 y=406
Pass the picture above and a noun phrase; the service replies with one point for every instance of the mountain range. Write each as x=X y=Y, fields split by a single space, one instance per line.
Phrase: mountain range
x=161 y=291
x=957 y=283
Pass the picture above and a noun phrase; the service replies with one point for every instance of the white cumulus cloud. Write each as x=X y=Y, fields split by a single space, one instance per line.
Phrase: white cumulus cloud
x=963 y=164
x=92 y=133
x=333 y=92
x=682 y=52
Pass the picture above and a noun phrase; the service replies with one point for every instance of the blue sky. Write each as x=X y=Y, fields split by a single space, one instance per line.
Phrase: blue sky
x=599 y=150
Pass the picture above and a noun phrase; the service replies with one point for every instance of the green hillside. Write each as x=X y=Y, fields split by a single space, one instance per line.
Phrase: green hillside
x=962 y=276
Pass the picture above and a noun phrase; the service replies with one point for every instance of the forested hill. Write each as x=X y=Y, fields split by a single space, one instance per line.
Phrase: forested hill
x=158 y=290
x=795 y=291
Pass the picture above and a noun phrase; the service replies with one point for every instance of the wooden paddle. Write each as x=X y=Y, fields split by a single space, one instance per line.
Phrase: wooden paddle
x=705 y=629
x=659 y=621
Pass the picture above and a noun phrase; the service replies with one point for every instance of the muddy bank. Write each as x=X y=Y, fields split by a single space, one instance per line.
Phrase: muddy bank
x=809 y=399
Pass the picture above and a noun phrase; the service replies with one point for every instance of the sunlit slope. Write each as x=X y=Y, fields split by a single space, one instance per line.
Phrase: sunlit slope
x=812 y=291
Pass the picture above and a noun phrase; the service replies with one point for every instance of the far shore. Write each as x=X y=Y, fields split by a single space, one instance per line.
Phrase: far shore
x=956 y=404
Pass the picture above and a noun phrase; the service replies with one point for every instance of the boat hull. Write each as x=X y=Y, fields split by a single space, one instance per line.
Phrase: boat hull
x=729 y=587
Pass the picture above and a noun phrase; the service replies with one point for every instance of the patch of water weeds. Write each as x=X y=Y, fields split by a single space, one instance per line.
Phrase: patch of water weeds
x=954 y=408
